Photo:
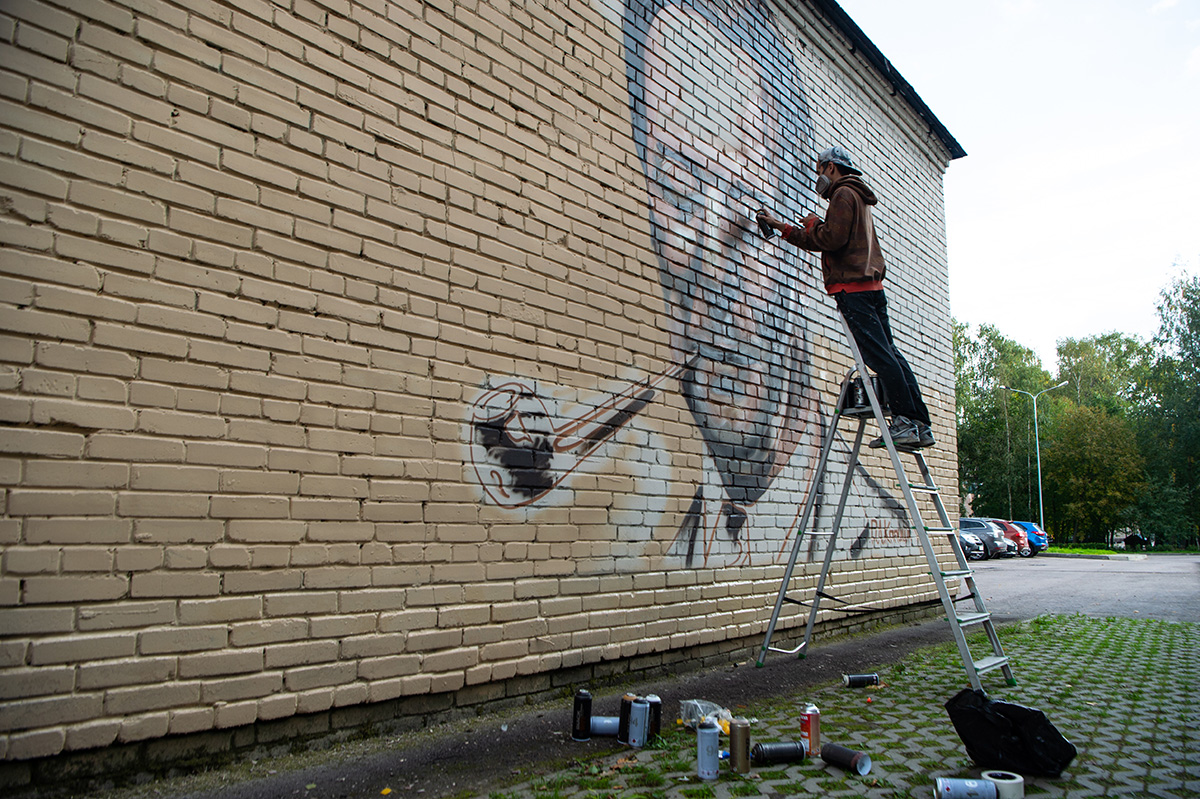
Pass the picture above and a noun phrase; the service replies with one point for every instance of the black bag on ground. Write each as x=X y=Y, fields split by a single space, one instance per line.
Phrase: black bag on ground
x=1001 y=735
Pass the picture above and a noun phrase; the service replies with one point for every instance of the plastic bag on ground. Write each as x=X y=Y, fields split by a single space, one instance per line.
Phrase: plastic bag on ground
x=1005 y=736
x=694 y=711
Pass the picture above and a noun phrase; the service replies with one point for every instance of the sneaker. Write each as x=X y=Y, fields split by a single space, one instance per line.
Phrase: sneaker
x=925 y=436
x=904 y=432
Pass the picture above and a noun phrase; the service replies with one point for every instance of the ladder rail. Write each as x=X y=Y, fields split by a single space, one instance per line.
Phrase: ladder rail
x=801 y=528
x=831 y=542
x=958 y=621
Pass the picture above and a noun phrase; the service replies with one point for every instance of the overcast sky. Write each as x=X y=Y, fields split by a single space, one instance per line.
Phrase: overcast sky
x=1077 y=201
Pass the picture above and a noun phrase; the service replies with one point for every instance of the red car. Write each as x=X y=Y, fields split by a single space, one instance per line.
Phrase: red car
x=1015 y=534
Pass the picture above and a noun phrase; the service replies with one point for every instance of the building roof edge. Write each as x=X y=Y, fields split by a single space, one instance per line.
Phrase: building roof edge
x=861 y=43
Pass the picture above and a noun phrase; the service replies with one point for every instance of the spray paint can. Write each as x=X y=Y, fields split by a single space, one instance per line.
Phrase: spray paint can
x=581 y=717
x=860 y=680
x=953 y=788
x=655 y=716
x=764 y=754
x=623 y=718
x=639 y=722
x=708 y=756
x=849 y=759
x=604 y=725
x=739 y=745
x=810 y=728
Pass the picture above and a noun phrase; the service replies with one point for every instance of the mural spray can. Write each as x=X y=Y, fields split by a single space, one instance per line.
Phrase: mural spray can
x=739 y=745
x=639 y=722
x=623 y=718
x=708 y=756
x=810 y=728
x=581 y=718
x=655 y=703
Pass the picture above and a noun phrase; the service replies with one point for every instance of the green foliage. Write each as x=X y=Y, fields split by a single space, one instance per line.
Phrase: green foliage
x=1168 y=420
x=1120 y=443
x=1093 y=473
x=996 y=446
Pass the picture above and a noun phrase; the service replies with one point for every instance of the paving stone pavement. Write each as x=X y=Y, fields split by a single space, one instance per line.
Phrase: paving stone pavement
x=1124 y=691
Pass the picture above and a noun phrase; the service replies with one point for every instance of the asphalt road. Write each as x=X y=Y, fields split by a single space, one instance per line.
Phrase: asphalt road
x=1163 y=587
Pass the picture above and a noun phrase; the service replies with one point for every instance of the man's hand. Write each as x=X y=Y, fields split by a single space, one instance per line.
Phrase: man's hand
x=810 y=222
x=766 y=219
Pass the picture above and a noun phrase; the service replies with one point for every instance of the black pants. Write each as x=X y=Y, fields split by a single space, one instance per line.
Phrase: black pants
x=866 y=313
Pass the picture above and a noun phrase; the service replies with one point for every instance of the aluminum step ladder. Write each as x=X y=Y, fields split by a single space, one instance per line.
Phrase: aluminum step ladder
x=849 y=407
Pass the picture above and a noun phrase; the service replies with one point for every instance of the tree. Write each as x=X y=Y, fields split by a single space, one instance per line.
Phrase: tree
x=1167 y=419
x=1094 y=473
x=997 y=471
x=1105 y=371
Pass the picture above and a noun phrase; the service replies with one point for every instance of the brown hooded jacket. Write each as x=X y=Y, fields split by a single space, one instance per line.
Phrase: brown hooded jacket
x=846 y=237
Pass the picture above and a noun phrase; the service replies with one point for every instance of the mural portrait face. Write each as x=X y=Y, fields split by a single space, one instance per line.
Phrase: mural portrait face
x=710 y=133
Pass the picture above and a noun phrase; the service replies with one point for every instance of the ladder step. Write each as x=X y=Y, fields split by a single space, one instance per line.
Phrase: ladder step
x=990 y=663
x=958 y=573
x=926 y=489
x=940 y=529
x=972 y=618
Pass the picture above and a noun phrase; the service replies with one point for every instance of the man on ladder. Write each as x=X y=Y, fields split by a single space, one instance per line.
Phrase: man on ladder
x=853 y=268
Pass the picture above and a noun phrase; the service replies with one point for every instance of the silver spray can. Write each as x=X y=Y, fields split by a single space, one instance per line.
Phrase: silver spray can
x=708 y=755
x=953 y=788
x=639 y=722
x=739 y=745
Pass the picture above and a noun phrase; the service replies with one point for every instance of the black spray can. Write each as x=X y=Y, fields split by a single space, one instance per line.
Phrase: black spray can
x=849 y=759
x=860 y=680
x=581 y=718
x=655 y=716
x=623 y=718
x=777 y=752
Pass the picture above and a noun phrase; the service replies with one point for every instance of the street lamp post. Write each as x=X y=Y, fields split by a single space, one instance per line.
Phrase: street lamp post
x=1036 y=444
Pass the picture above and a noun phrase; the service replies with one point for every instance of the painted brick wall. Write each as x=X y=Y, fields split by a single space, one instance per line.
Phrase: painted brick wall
x=343 y=358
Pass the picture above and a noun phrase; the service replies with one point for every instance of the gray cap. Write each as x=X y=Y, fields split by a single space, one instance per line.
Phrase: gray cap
x=836 y=155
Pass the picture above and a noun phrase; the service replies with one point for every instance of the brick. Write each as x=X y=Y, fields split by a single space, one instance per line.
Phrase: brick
x=175 y=505
x=125 y=615
x=239 y=688
x=182 y=722
x=140 y=728
x=135 y=671
x=189 y=639
x=135 y=447
x=81 y=648
x=24 y=683
x=175 y=584
x=54 y=590
x=173 y=531
x=92 y=735
x=267 y=631
x=127 y=701
x=216 y=664
x=36 y=744
x=219 y=610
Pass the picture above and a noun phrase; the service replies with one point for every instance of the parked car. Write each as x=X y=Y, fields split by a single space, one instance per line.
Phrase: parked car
x=972 y=545
x=993 y=537
x=1015 y=534
x=1039 y=541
